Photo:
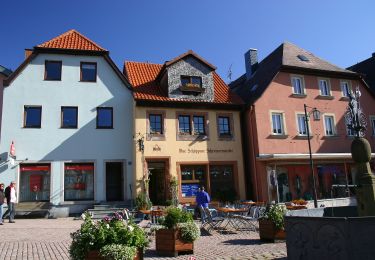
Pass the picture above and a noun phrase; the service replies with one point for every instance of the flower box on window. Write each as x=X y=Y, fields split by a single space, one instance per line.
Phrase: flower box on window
x=190 y=87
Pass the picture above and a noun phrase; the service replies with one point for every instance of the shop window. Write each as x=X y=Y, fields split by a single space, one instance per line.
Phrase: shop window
x=88 y=71
x=79 y=181
x=32 y=116
x=34 y=182
x=104 y=117
x=222 y=183
x=69 y=117
x=52 y=70
x=192 y=176
x=330 y=179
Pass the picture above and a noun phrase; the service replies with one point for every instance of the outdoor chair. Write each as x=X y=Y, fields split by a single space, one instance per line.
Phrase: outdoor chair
x=212 y=220
x=251 y=219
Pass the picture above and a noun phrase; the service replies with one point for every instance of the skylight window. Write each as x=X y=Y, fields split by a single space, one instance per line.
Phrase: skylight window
x=302 y=57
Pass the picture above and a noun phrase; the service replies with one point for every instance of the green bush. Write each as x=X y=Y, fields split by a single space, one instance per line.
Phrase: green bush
x=94 y=235
x=175 y=216
x=118 y=252
x=276 y=214
x=189 y=231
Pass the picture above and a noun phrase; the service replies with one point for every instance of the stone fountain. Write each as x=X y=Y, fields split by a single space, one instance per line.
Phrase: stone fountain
x=340 y=232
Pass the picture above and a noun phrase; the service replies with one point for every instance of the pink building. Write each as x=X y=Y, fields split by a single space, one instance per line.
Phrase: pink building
x=275 y=91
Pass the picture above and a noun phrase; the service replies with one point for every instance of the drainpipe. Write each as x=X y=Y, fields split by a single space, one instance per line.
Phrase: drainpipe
x=252 y=132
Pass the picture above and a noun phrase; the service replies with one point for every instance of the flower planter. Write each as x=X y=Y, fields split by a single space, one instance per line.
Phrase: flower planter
x=168 y=242
x=268 y=231
x=94 y=255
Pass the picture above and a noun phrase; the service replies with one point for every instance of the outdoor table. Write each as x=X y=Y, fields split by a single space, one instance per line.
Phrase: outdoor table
x=154 y=214
x=229 y=215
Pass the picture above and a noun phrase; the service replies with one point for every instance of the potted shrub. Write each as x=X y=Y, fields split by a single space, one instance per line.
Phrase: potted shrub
x=271 y=223
x=142 y=201
x=109 y=238
x=178 y=234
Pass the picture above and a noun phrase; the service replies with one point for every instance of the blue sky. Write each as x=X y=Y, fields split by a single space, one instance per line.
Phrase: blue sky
x=340 y=31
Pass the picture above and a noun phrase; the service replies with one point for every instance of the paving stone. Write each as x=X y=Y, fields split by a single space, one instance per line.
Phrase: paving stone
x=50 y=239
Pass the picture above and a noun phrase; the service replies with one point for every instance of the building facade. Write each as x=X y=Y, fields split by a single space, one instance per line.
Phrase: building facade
x=68 y=113
x=4 y=73
x=187 y=127
x=367 y=69
x=276 y=90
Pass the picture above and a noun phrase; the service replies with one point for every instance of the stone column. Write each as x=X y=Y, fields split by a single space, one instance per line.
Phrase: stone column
x=361 y=154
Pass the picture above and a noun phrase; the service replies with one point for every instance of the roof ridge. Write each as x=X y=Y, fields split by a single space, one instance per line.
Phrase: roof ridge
x=67 y=34
x=142 y=62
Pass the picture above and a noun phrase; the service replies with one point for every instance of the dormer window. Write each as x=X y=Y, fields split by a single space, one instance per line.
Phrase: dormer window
x=191 y=84
x=191 y=81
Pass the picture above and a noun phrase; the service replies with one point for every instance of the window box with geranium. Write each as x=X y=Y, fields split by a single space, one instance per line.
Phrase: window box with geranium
x=109 y=238
x=179 y=233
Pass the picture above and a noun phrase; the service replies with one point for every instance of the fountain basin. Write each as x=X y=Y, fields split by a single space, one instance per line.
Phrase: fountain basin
x=329 y=233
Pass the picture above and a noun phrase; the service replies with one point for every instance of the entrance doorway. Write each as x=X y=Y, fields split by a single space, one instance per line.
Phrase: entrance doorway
x=114 y=181
x=158 y=183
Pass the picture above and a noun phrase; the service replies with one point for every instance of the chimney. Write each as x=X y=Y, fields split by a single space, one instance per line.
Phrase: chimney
x=251 y=62
x=28 y=53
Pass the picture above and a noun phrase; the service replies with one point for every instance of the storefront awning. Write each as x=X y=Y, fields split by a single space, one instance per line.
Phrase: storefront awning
x=304 y=156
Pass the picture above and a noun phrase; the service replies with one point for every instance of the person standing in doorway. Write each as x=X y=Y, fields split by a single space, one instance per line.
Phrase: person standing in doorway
x=202 y=200
x=10 y=194
x=2 y=199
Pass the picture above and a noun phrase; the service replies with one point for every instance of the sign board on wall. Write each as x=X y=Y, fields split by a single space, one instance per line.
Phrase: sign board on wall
x=189 y=189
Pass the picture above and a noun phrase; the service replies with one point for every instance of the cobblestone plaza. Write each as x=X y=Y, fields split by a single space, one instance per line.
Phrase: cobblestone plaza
x=50 y=239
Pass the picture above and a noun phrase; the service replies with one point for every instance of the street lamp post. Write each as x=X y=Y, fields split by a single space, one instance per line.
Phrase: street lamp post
x=316 y=116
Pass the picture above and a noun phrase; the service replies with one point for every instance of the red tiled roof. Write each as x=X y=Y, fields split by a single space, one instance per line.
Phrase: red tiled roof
x=71 y=40
x=143 y=78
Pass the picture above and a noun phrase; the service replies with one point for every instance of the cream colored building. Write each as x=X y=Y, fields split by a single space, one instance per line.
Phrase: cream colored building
x=187 y=125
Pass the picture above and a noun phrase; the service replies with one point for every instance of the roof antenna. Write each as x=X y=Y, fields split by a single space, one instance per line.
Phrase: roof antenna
x=229 y=74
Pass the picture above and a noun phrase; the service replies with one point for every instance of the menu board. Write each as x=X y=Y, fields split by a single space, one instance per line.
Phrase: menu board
x=189 y=189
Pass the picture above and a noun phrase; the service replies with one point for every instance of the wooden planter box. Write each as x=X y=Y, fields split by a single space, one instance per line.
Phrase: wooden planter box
x=94 y=255
x=268 y=231
x=168 y=242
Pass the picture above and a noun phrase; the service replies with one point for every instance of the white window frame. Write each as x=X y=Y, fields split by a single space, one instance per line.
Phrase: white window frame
x=302 y=84
x=298 y=116
x=282 y=122
x=333 y=130
x=349 y=84
x=327 y=86
x=349 y=132
x=372 y=123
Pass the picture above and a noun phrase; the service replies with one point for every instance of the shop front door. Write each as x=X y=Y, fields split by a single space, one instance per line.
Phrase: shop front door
x=114 y=181
x=157 y=184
